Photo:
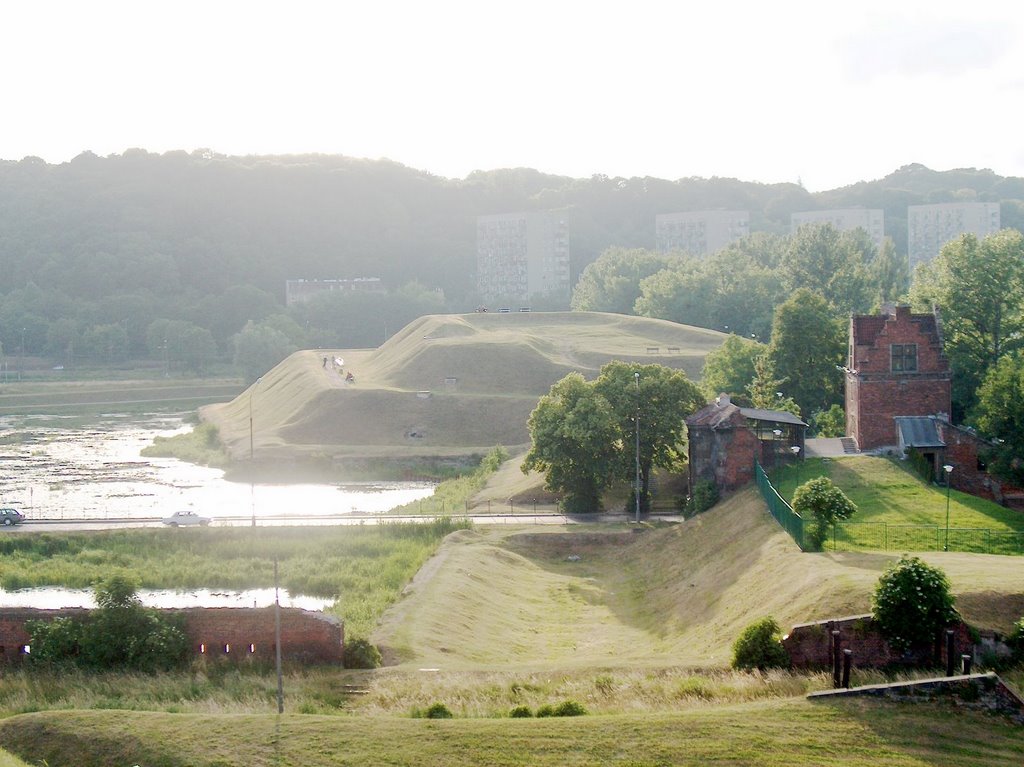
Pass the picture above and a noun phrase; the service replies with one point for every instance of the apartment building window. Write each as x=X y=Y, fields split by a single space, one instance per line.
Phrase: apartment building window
x=904 y=358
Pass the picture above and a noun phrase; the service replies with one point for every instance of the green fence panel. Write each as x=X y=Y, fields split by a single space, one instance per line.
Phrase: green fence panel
x=779 y=508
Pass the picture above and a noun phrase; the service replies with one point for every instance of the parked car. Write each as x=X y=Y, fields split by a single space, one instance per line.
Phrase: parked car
x=11 y=517
x=185 y=518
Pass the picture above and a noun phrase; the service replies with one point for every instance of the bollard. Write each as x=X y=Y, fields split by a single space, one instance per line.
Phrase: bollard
x=836 y=659
x=949 y=652
x=847 y=662
x=966 y=661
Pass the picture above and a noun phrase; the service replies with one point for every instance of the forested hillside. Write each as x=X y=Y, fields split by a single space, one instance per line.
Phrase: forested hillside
x=169 y=256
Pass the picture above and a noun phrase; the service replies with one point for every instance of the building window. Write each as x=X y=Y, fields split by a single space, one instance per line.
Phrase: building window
x=904 y=358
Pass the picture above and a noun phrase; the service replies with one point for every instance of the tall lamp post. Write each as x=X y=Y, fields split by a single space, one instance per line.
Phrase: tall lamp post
x=948 y=468
x=252 y=468
x=636 y=493
x=795 y=450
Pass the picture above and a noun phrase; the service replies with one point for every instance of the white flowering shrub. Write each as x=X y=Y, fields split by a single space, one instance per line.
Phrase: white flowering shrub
x=912 y=603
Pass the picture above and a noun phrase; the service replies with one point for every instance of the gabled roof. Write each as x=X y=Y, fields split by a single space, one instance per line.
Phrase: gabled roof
x=722 y=412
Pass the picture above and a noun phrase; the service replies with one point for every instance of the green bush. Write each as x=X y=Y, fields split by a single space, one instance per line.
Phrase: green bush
x=438 y=711
x=829 y=423
x=822 y=503
x=705 y=495
x=912 y=603
x=759 y=646
x=1016 y=641
x=546 y=710
x=359 y=653
x=570 y=708
x=521 y=712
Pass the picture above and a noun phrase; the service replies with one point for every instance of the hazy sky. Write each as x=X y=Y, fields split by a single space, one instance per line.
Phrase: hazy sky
x=826 y=92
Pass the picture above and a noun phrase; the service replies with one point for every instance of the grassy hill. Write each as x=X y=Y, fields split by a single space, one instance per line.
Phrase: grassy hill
x=636 y=625
x=445 y=385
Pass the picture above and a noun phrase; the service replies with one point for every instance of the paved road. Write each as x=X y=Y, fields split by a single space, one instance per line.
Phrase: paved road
x=66 y=525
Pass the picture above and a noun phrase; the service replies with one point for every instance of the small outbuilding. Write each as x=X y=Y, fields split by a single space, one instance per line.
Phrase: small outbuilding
x=726 y=440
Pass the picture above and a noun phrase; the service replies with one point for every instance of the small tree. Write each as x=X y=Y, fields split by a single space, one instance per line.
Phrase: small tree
x=760 y=646
x=912 y=603
x=823 y=503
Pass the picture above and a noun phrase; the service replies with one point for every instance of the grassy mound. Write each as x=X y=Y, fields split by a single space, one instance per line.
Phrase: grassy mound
x=682 y=592
x=443 y=385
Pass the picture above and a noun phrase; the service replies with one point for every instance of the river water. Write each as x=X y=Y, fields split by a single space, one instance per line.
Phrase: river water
x=91 y=468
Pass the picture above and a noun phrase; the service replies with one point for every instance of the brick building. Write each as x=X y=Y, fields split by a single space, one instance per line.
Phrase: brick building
x=896 y=367
x=725 y=441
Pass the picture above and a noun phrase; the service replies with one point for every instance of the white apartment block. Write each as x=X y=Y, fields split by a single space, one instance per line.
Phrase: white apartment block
x=929 y=227
x=519 y=255
x=700 y=232
x=871 y=220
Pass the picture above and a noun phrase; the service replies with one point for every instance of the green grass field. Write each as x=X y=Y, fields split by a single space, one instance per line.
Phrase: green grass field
x=897 y=510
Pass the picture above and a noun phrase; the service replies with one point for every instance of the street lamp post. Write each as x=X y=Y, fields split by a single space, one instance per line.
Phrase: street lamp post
x=636 y=493
x=795 y=450
x=948 y=468
x=252 y=468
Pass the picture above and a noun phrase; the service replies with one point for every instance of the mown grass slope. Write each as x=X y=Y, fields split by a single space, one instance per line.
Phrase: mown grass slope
x=679 y=593
x=443 y=385
x=795 y=733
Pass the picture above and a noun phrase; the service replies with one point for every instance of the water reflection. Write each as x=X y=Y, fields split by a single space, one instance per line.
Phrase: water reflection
x=52 y=598
x=70 y=467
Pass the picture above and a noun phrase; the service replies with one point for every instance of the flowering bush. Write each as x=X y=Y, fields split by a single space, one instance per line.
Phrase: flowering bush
x=912 y=603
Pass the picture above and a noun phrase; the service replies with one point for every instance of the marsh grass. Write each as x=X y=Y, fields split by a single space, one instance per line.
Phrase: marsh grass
x=363 y=567
x=452 y=496
x=201 y=446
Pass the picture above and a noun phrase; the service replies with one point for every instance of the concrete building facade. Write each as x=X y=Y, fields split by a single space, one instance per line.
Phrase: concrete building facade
x=701 y=232
x=929 y=227
x=520 y=255
x=871 y=220
x=896 y=368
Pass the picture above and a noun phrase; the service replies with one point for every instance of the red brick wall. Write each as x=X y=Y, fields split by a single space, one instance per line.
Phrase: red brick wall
x=723 y=456
x=875 y=395
x=808 y=644
x=306 y=637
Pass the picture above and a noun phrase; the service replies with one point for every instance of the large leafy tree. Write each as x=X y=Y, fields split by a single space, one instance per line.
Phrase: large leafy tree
x=808 y=343
x=730 y=368
x=979 y=286
x=612 y=282
x=1000 y=414
x=574 y=435
x=662 y=398
x=836 y=265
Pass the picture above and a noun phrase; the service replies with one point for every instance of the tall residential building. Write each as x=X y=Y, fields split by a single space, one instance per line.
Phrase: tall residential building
x=519 y=255
x=871 y=220
x=929 y=227
x=700 y=232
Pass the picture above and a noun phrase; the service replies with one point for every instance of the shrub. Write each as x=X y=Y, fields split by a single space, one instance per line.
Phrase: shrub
x=912 y=603
x=521 y=712
x=438 y=711
x=705 y=495
x=359 y=653
x=823 y=503
x=570 y=708
x=546 y=710
x=1016 y=641
x=829 y=423
x=759 y=646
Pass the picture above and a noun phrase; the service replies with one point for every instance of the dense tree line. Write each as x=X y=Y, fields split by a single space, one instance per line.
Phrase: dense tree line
x=94 y=251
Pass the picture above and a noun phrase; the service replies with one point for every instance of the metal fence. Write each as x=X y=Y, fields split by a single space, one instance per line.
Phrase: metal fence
x=779 y=508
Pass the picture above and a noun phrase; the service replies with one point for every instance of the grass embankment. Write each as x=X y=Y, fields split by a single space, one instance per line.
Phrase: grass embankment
x=201 y=446
x=364 y=567
x=444 y=386
x=898 y=510
x=790 y=734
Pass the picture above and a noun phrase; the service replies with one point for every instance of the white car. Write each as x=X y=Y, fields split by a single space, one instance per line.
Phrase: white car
x=185 y=518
